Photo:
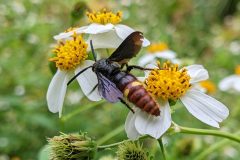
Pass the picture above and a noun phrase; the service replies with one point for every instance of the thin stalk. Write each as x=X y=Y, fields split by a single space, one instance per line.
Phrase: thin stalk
x=162 y=148
x=111 y=135
x=113 y=144
x=117 y=143
x=213 y=147
x=80 y=109
x=187 y=130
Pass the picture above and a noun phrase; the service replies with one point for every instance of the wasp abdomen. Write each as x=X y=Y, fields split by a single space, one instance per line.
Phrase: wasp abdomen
x=137 y=94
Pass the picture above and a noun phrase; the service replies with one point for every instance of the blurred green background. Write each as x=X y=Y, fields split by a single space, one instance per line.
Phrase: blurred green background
x=204 y=32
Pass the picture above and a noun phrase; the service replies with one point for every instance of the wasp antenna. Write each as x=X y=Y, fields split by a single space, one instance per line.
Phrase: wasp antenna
x=78 y=74
x=92 y=49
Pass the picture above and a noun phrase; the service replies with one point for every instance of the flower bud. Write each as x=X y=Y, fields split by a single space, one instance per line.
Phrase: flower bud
x=72 y=146
x=131 y=150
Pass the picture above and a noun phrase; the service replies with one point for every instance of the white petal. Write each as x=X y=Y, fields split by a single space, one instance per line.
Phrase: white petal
x=104 y=40
x=197 y=73
x=123 y=31
x=152 y=125
x=88 y=80
x=56 y=92
x=130 y=126
x=237 y=85
x=95 y=28
x=197 y=86
x=166 y=54
x=81 y=29
x=141 y=79
x=148 y=58
x=63 y=35
x=67 y=35
x=205 y=108
x=229 y=83
x=146 y=42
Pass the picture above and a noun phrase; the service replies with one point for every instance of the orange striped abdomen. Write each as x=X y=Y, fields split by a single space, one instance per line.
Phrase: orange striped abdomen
x=137 y=94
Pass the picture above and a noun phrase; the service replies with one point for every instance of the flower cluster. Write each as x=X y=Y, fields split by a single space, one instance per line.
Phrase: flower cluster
x=176 y=84
x=165 y=82
x=71 y=55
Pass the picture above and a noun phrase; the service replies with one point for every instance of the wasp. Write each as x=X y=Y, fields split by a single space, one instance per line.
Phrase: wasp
x=115 y=84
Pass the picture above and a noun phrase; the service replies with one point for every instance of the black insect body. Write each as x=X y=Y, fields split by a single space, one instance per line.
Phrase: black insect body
x=114 y=84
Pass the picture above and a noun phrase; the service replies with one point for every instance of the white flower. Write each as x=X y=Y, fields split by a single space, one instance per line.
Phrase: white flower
x=157 y=50
x=70 y=59
x=104 y=30
x=175 y=84
x=231 y=83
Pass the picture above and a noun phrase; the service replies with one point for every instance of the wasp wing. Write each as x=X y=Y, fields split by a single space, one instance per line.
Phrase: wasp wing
x=108 y=89
x=128 y=48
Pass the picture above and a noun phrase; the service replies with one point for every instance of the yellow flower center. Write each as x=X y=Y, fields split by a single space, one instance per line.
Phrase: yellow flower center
x=237 y=70
x=158 y=47
x=168 y=82
x=209 y=86
x=104 y=17
x=70 y=53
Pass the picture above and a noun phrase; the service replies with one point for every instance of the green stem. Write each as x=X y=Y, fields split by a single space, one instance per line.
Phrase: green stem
x=162 y=148
x=113 y=144
x=117 y=143
x=80 y=109
x=213 y=147
x=111 y=135
x=187 y=130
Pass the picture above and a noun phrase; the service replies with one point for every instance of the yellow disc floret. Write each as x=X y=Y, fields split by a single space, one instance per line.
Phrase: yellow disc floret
x=168 y=82
x=104 y=17
x=70 y=53
x=157 y=47
x=237 y=70
x=209 y=86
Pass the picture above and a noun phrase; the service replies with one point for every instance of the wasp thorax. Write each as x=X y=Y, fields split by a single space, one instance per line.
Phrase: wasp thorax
x=70 y=53
x=105 y=67
x=168 y=82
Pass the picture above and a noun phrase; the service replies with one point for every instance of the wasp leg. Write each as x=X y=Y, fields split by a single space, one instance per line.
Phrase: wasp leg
x=129 y=68
x=125 y=103
x=92 y=90
x=70 y=81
